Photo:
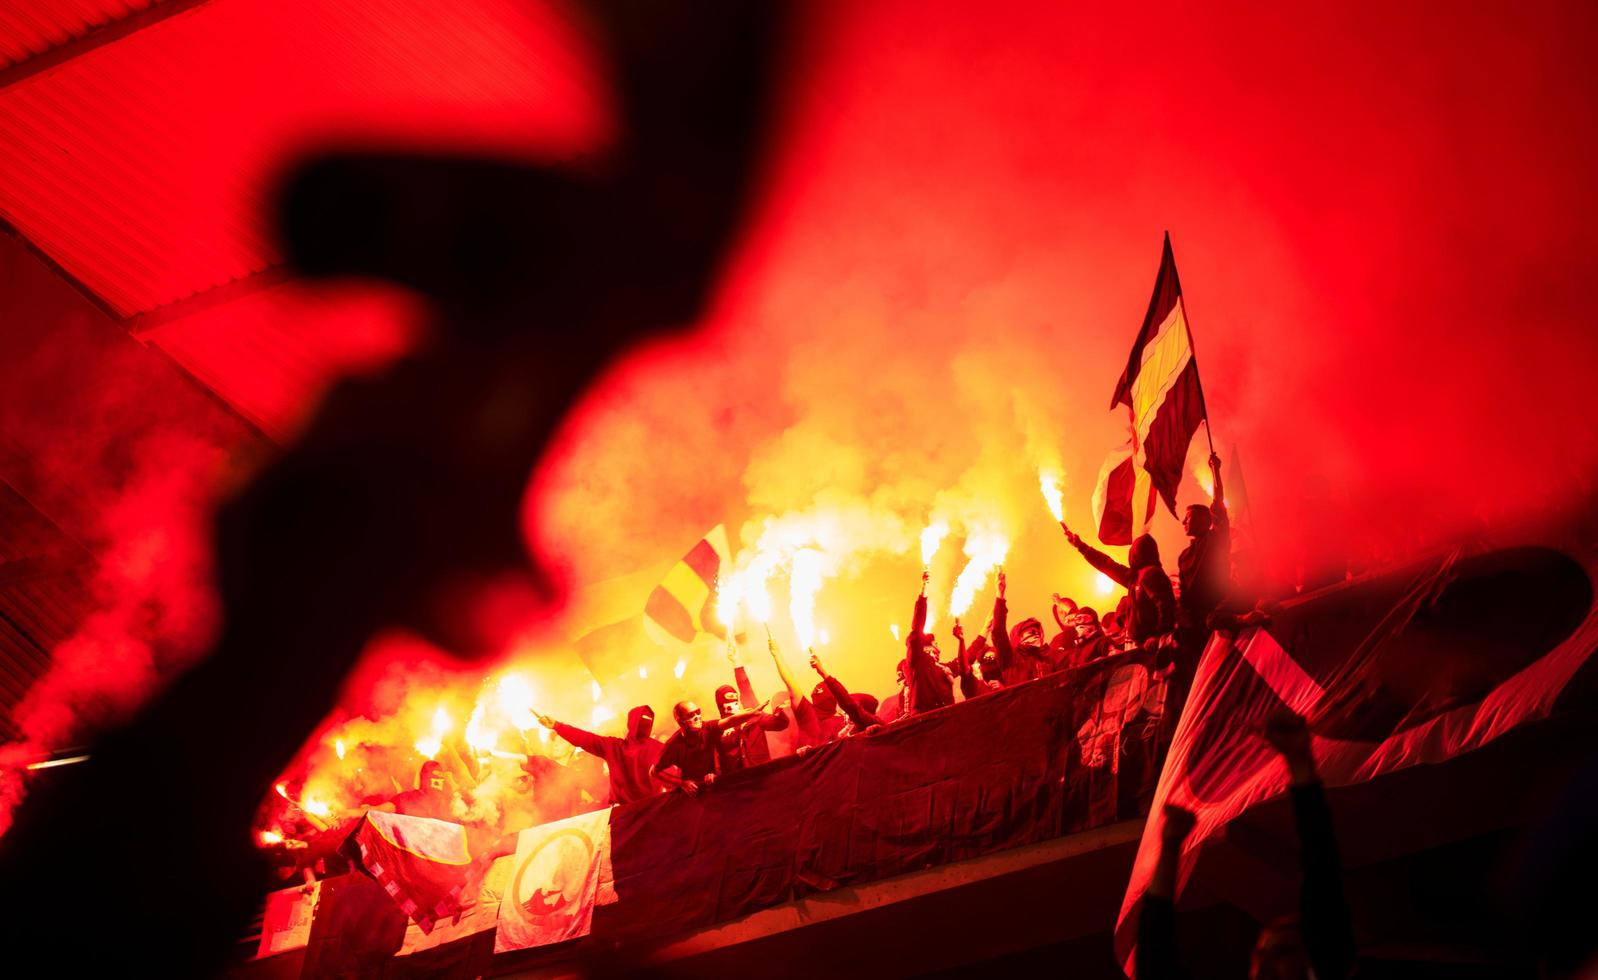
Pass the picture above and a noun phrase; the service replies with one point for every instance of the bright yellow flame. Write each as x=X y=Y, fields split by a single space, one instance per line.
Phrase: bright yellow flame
x=985 y=551
x=643 y=672
x=756 y=600
x=316 y=808
x=441 y=722
x=1104 y=584
x=894 y=629
x=822 y=637
x=283 y=791
x=478 y=734
x=1206 y=479
x=270 y=837
x=728 y=595
x=931 y=537
x=804 y=581
x=594 y=689
x=515 y=695
x=1052 y=483
x=338 y=747
x=429 y=745
x=601 y=715
x=680 y=669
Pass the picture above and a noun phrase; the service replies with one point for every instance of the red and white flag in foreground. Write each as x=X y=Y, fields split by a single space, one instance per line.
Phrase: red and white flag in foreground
x=422 y=863
x=561 y=870
x=1409 y=667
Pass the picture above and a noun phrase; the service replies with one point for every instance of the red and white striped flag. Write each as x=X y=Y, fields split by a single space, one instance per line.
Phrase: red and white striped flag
x=1161 y=389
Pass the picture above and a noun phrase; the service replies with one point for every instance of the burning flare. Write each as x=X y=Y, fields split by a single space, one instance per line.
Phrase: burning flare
x=804 y=581
x=894 y=629
x=430 y=744
x=985 y=551
x=931 y=537
x=1206 y=479
x=1052 y=482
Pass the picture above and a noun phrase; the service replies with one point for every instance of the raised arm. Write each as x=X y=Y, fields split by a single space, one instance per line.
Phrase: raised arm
x=1121 y=574
x=1156 y=923
x=1324 y=919
x=860 y=717
x=795 y=695
x=746 y=690
x=587 y=741
x=1001 y=633
x=918 y=618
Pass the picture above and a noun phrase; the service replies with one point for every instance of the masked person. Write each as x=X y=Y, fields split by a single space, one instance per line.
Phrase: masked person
x=688 y=760
x=860 y=709
x=629 y=760
x=1020 y=651
x=927 y=684
x=744 y=745
x=431 y=797
x=1088 y=641
x=1152 y=613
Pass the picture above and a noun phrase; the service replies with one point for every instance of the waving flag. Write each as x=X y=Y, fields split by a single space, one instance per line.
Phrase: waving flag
x=1413 y=666
x=683 y=605
x=422 y=863
x=561 y=870
x=1112 y=498
x=1161 y=389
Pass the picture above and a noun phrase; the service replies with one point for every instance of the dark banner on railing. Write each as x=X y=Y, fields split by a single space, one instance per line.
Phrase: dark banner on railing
x=1058 y=755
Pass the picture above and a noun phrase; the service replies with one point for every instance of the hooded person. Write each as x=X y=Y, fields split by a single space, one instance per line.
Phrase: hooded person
x=1153 y=610
x=431 y=797
x=928 y=684
x=1020 y=651
x=629 y=759
x=859 y=710
x=744 y=745
x=1089 y=642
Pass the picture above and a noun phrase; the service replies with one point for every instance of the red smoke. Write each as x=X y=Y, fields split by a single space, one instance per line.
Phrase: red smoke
x=1384 y=223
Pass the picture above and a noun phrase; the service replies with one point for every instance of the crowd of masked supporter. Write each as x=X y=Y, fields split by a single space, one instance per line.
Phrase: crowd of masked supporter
x=1168 y=618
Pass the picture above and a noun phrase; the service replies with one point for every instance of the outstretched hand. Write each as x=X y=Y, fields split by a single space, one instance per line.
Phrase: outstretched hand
x=1070 y=535
x=1001 y=583
x=545 y=720
x=815 y=664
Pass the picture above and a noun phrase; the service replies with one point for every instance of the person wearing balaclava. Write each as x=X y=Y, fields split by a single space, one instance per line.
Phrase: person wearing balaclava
x=431 y=798
x=1020 y=651
x=744 y=745
x=629 y=759
x=928 y=684
x=1153 y=610
x=1089 y=642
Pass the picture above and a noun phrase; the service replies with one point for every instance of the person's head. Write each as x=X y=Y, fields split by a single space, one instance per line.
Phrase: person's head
x=1086 y=623
x=898 y=672
x=688 y=715
x=641 y=721
x=1279 y=953
x=1027 y=633
x=1145 y=552
x=727 y=700
x=867 y=702
x=1110 y=624
x=1065 y=605
x=930 y=642
x=431 y=777
x=822 y=700
x=1196 y=521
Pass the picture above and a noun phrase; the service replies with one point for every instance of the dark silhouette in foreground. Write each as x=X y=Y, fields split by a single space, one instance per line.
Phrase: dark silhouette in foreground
x=400 y=506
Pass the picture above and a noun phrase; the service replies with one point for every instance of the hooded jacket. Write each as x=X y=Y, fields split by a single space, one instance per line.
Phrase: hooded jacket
x=628 y=759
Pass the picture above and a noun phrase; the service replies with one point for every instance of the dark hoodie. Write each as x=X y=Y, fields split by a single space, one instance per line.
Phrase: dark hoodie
x=629 y=759
x=1017 y=664
x=1153 y=611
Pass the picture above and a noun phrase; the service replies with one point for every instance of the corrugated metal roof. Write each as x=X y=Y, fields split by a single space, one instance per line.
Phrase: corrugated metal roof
x=43 y=597
x=29 y=28
x=141 y=166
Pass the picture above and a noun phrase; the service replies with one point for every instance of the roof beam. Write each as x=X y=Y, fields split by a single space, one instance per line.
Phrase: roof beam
x=140 y=324
x=107 y=33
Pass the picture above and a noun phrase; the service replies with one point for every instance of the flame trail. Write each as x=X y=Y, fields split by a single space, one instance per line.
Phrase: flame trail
x=894 y=629
x=515 y=696
x=1052 y=482
x=1206 y=479
x=931 y=538
x=804 y=581
x=986 y=551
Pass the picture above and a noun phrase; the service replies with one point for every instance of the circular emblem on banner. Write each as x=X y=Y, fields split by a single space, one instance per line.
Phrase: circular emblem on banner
x=553 y=875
